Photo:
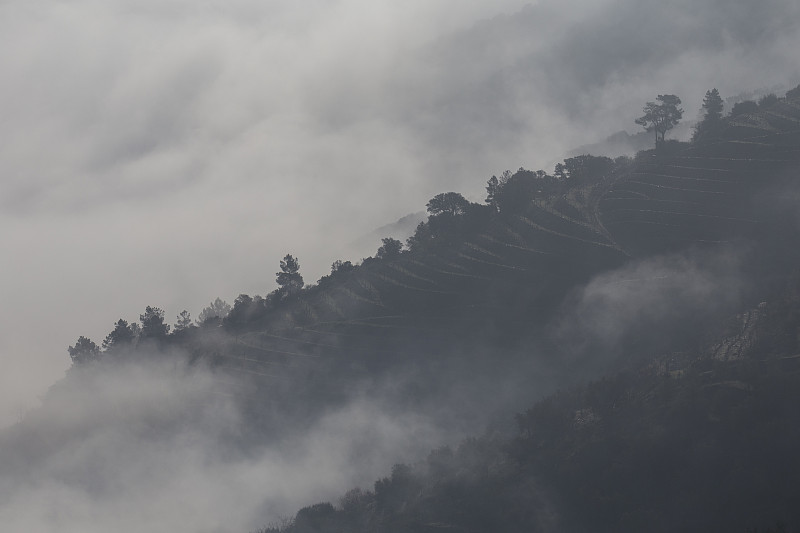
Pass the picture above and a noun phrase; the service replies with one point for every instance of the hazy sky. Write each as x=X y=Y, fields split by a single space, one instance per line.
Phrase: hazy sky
x=166 y=153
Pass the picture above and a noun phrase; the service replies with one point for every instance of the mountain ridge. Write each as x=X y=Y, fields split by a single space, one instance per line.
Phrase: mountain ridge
x=615 y=268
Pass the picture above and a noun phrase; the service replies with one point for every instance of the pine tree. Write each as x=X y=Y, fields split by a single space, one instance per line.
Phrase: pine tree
x=712 y=107
x=289 y=278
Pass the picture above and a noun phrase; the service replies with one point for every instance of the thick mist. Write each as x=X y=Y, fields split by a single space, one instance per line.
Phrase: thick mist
x=650 y=308
x=157 y=445
x=148 y=441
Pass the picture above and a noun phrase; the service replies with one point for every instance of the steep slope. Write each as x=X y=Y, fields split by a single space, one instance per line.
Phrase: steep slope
x=483 y=295
x=624 y=267
x=695 y=439
x=716 y=191
x=711 y=447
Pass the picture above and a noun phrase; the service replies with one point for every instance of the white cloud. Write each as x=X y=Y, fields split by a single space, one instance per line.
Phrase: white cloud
x=155 y=445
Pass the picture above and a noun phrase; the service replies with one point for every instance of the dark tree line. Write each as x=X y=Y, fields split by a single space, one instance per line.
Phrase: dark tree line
x=451 y=218
x=710 y=126
x=153 y=332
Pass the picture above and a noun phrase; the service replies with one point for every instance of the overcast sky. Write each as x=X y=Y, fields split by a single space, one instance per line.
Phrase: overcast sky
x=166 y=153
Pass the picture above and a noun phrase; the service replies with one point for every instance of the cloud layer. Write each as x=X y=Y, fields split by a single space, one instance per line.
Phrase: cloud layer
x=160 y=447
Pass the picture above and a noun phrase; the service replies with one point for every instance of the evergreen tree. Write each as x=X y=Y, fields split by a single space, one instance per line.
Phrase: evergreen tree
x=767 y=100
x=153 y=326
x=492 y=190
x=560 y=171
x=122 y=335
x=712 y=108
x=216 y=309
x=184 y=321
x=242 y=310
x=712 y=105
x=85 y=350
x=289 y=278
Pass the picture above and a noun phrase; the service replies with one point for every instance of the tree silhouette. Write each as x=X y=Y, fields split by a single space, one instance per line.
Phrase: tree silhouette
x=712 y=105
x=422 y=237
x=580 y=169
x=448 y=204
x=341 y=266
x=153 y=326
x=184 y=321
x=289 y=278
x=122 y=335
x=712 y=108
x=516 y=191
x=216 y=309
x=242 y=310
x=492 y=190
x=390 y=248
x=662 y=116
x=560 y=171
x=740 y=108
x=767 y=100
x=85 y=350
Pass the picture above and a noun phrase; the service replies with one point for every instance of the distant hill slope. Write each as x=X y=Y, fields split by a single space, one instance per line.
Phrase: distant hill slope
x=714 y=191
x=489 y=287
x=624 y=143
x=401 y=229
x=692 y=440
x=711 y=446
x=627 y=267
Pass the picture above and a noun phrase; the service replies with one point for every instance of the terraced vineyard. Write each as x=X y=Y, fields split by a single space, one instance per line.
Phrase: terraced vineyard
x=707 y=192
x=501 y=283
x=504 y=278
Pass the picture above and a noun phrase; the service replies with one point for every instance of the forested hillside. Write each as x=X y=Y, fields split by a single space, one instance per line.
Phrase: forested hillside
x=673 y=274
x=496 y=274
x=694 y=439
